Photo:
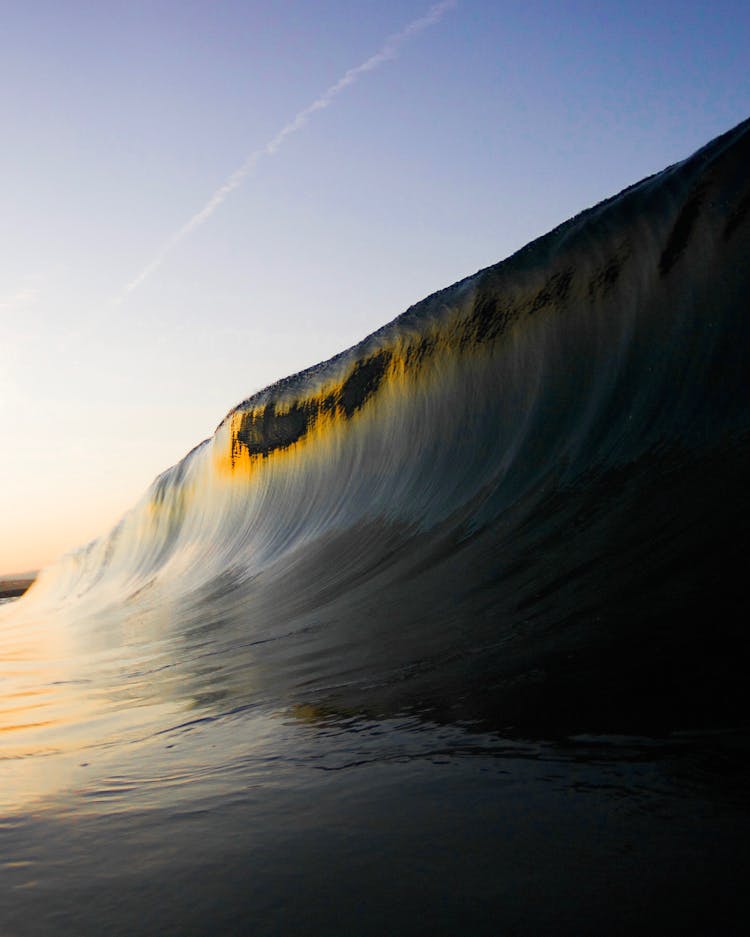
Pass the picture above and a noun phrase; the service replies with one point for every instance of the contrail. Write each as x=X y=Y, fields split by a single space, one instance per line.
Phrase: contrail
x=387 y=52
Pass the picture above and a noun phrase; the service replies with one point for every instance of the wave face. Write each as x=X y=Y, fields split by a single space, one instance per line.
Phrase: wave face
x=523 y=499
x=426 y=636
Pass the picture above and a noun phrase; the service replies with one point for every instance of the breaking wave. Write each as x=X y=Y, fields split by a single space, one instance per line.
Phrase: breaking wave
x=523 y=500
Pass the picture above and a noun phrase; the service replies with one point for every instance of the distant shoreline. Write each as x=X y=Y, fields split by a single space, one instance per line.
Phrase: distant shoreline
x=12 y=588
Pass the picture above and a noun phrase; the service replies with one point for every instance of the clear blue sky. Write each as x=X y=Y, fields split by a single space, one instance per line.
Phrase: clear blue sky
x=121 y=119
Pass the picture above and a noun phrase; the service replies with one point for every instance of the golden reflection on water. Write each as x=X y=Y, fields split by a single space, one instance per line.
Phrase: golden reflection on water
x=56 y=713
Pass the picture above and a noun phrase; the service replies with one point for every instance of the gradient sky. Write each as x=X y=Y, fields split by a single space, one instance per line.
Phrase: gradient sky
x=121 y=120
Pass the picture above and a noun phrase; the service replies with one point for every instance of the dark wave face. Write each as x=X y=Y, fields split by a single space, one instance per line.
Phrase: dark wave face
x=520 y=508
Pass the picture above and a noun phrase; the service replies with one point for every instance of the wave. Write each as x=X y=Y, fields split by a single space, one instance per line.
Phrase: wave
x=524 y=499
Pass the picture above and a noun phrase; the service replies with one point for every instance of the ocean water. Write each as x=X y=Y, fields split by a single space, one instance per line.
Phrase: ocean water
x=446 y=635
